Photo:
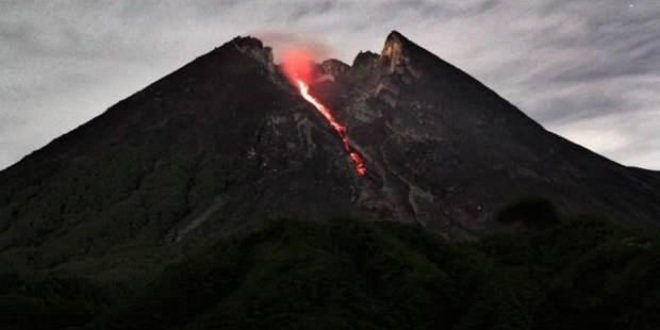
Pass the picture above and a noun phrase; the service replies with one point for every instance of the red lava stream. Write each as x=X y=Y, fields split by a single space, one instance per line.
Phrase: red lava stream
x=298 y=68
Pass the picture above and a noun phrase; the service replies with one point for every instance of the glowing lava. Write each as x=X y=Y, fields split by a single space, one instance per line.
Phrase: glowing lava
x=298 y=68
x=358 y=162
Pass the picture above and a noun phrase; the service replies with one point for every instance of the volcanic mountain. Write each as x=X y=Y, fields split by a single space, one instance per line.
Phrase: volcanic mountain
x=227 y=143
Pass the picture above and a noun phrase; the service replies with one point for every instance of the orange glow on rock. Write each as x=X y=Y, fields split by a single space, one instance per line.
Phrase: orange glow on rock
x=297 y=66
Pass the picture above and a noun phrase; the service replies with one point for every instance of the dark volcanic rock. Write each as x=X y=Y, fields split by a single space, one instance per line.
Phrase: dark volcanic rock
x=225 y=143
x=220 y=145
x=448 y=153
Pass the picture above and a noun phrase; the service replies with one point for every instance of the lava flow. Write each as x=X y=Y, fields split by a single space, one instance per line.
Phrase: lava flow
x=298 y=68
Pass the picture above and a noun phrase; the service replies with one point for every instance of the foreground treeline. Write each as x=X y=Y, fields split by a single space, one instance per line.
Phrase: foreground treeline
x=582 y=274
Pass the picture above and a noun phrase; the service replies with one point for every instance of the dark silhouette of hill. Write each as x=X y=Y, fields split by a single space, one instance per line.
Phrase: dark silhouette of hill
x=351 y=274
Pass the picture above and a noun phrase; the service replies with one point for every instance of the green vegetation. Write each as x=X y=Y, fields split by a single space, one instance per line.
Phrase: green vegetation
x=583 y=274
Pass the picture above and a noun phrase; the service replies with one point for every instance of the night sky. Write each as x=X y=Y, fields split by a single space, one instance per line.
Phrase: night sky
x=587 y=70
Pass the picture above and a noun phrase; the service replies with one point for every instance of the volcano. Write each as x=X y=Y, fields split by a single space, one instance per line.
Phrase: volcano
x=227 y=143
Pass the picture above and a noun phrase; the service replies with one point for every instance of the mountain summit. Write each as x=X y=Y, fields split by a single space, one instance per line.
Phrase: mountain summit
x=227 y=143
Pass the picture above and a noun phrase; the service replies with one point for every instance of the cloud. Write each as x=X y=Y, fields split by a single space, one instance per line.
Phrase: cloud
x=587 y=70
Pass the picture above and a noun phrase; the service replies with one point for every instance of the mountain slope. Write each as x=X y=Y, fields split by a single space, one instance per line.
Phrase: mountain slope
x=226 y=143
x=211 y=138
x=453 y=152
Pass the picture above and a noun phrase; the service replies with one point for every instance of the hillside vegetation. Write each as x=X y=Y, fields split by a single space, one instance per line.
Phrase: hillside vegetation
x=582 y=274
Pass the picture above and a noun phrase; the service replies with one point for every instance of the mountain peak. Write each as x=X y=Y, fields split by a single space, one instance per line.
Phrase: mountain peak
x=366 y=58
x=335 y=67
x=397 y=56
x=254 y=48
x=395 y=37
x=394 y=47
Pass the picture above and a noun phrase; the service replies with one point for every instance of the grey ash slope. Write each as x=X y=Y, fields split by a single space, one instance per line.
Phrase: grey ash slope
x=453 y=152
x=224 y=143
